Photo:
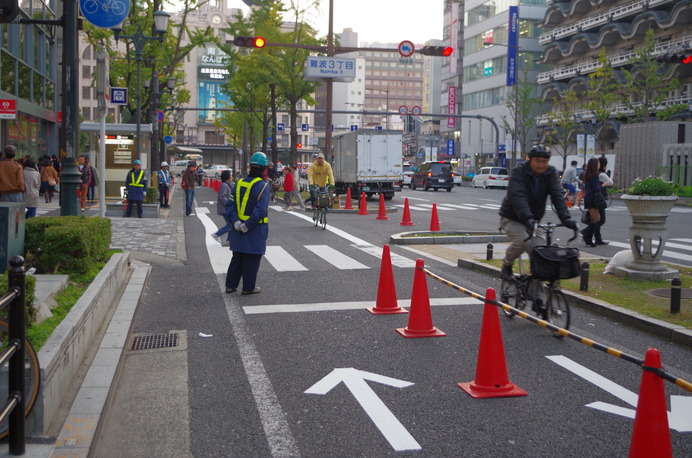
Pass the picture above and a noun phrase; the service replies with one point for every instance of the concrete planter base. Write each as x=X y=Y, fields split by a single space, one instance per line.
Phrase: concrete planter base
x=117 y=209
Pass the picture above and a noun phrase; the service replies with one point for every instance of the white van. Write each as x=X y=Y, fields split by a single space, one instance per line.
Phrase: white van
x=177 y=167
x=488 y=177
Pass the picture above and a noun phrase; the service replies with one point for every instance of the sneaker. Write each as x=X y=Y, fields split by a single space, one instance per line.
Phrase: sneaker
x=83 y=209
x=216 y=237
x=231 y=290
x=507 y=271
x=253 y=291
x=288 y=209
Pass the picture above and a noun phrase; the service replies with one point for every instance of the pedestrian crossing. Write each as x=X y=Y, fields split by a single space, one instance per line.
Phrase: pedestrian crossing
x=676 y=249
x=426 y=207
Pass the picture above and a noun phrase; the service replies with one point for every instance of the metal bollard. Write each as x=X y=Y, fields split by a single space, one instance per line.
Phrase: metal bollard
x=584 y=279
x=675 y=292
x=489 y=252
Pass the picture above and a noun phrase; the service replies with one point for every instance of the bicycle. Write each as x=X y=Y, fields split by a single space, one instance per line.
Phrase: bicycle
x=323 y=200
x=275 y=185
x=32 y=377
x=549 y=264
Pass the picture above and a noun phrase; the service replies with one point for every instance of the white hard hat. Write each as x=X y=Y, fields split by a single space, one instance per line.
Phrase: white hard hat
x=164 y=164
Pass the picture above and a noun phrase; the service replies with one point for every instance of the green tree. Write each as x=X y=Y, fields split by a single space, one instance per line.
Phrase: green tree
x=562 y=125
x=523 y=105
x=603 y=94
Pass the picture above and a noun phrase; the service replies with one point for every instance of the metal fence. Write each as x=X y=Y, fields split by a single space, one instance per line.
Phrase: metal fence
x=677 y=174
x=15 y=298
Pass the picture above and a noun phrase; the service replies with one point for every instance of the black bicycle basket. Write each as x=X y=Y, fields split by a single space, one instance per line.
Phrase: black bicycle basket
x=550 y=263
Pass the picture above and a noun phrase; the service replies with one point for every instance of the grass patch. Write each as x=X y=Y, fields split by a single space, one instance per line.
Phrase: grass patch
x=77 y=283
x=631 y=294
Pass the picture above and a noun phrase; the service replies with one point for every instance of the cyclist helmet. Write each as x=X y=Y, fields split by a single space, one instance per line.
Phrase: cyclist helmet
x=259 y=158
x=539 y=151
x=164 y=164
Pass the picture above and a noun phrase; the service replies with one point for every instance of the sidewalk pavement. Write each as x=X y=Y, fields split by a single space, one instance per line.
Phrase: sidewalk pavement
x=164 y=236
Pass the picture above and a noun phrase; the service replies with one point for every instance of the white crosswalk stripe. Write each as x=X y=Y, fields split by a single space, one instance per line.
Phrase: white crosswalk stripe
x=282 y=261
x=335 y=258
x=667 y=253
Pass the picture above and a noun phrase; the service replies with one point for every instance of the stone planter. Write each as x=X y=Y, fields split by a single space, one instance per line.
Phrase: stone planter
x=649 y=214
x=117 y=209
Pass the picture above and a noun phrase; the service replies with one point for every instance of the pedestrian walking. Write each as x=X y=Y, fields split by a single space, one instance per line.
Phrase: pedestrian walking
x=605 y=181
x=32 y=183
x=247 y=210
x=594 y=203
x=49 y=180
x=164 y=178
x=88 y=174
x=136 y=183
x=221 y=200
x=188 y=183
x=292 y=189
x=11 y=177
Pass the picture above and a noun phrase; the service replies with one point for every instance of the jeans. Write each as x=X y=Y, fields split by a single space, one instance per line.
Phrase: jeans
x=13 y=197
x=226 y=228
x=30 y=212
x=189 y=199
x=92 y=192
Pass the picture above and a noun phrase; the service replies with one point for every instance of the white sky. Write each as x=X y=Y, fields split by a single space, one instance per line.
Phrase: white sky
x=386 y=21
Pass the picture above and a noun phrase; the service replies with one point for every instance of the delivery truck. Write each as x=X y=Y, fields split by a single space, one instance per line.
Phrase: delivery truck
x=369 y=162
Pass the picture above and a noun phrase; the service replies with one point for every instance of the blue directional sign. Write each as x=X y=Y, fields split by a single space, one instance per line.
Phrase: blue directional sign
x=354 y=127
x=119 y=95
x=305 y=127
x=159 y=115
x=168 y=139
x=105 y=14
x=378 y=127
x=280 y=127
x=512 y=45
x=450 y=147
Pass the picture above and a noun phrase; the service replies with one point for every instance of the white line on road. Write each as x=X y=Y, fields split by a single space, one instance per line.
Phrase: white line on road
x=282 y=261
x=335 y=258
x=431 y=256
x=353 y=305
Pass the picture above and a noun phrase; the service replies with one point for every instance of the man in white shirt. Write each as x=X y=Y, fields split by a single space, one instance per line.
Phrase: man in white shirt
x=569 y=177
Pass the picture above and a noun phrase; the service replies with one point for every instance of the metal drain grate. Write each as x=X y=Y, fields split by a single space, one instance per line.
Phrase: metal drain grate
x=154 y=341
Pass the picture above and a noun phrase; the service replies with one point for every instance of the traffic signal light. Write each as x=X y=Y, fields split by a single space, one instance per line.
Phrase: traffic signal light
x=248 y=42
x=299 y=145
x=437 y=51
x=675 y=58
x=8 y=10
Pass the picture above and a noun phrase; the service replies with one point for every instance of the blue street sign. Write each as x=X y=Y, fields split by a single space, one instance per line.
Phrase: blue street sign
x=354 y=127
x=119 y=95
x=168 y=139
x=512 y=45
x=450 y=147
x=159 y=115
x=378 y=127
x=280 y=126
x=304 y=127
x=105 y=14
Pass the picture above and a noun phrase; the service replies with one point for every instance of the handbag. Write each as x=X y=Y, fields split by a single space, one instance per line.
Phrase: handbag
x=52 y=182
x=585 y=219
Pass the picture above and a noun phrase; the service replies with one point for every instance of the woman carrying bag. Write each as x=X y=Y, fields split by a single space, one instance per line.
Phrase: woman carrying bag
x=594 y=203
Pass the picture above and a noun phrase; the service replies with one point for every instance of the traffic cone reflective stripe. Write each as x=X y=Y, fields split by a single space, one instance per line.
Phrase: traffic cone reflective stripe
x=419 y=318
x=382 y=212
x=348 y=205
x=406 y=218
x=386 y=290
x=363 y=205
x=434 y=220
x=491 y=379
x=651 y=434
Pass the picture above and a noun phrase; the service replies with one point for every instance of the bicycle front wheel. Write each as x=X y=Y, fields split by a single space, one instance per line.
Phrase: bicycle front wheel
x=316 y=217
x=32 y=377
x=510 y=295
x=323 y=219
x=557 y=310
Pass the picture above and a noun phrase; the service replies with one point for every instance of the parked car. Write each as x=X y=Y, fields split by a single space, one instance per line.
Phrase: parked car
x=177 y=167
x=215 y=170
x=433 y=174
x=407 y=174
x=457 y=177
x=488 y=177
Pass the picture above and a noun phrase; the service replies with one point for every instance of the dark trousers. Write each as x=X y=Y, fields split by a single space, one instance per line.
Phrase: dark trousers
x=163 y=195
x=128 y=212
x=245 y=266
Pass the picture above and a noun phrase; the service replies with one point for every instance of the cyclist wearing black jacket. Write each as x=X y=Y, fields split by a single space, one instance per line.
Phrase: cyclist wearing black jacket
x=530 y=184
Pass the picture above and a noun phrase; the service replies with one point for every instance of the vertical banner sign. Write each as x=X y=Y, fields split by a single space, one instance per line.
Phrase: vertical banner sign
x=580 y=145
x=512 y=45
x=591 y=144
x=454 y=32
x=451 y=106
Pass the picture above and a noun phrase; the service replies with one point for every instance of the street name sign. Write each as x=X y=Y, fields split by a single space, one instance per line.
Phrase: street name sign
x=340 y=69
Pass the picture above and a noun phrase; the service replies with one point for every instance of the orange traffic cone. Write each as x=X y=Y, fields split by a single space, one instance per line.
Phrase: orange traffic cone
x=363 y=210
x=651 y=435
x=406 y=218
x=348 y=205
x=386 y=290
x=434 y=220
x=420 y=318
x=382 y=212
x=491 y=380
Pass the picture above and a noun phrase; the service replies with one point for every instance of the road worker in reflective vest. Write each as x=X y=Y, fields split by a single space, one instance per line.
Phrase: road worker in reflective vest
x=247 y=209
x=136 y=183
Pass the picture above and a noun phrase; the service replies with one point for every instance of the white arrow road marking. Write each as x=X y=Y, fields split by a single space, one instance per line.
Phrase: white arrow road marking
x=679 y=417
x=390 y=427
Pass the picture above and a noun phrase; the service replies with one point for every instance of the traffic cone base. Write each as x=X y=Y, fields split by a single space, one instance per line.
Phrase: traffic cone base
x=420 y=318
x=491 y=379
x=386 y=302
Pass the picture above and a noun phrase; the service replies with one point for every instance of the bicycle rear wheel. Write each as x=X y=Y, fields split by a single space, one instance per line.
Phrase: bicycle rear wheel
x=557 y=310
x=510 y=295
x=32 y=377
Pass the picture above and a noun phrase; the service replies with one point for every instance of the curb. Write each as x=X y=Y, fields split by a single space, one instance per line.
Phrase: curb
x=673 y=332
x=402 y=239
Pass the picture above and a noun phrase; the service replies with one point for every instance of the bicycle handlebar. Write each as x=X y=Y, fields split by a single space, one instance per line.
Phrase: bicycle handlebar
x=549 y=228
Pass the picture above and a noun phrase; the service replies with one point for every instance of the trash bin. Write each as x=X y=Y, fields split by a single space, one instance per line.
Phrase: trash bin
x=11 y=232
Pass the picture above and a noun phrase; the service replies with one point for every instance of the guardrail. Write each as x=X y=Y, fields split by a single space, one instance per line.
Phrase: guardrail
x=15 y=298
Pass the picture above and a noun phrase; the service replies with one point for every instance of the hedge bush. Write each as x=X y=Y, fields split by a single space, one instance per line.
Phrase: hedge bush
x=66 y=243
x=30 y=296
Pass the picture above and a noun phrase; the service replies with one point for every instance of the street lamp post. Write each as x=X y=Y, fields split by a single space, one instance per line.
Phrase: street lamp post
x=138 y=41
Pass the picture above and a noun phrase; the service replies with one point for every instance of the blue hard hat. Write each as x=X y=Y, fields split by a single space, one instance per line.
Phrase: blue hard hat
x=137 y=162
x=259 y=159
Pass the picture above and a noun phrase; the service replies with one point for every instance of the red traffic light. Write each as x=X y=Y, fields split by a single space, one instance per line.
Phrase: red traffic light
x=299 y=145
x=249 y=42
x=687 y=60
x=447 y=51
x=444 y=51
